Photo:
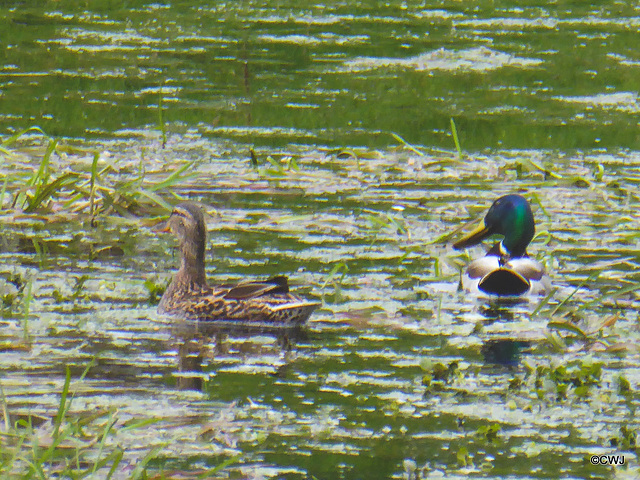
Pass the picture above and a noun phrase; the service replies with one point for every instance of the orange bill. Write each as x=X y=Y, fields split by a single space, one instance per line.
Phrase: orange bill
x=162 y=227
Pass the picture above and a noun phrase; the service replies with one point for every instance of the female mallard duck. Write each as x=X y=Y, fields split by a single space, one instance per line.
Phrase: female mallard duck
x=506 y=270
x=249 y=303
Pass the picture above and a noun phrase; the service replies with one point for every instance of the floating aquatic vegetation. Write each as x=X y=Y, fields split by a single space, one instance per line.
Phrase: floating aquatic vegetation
x=53 y=188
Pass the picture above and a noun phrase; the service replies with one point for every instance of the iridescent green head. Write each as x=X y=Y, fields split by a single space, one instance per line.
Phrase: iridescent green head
x=510 y=216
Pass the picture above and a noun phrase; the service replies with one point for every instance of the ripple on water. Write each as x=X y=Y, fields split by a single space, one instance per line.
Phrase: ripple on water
x=479 y=59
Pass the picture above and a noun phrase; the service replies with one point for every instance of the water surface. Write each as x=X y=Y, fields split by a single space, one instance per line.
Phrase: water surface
x=544 y=99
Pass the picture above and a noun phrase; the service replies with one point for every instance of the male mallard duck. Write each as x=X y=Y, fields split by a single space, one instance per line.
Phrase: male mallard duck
x=249 y=303
x=506 y=270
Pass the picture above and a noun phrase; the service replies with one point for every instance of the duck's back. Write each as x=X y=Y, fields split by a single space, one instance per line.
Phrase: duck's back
x=506 y=277
x=250 y=303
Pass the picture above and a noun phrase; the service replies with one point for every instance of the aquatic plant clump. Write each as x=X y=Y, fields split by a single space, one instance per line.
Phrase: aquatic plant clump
x=57 y=178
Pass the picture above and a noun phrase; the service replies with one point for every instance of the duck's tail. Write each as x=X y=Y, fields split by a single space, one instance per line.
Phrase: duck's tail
x=292 y=313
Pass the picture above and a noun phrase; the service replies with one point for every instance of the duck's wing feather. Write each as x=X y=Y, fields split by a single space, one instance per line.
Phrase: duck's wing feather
x=527 y=267
x=246 y=290
x=483 y=266
x=265 y=302
x=513 y=277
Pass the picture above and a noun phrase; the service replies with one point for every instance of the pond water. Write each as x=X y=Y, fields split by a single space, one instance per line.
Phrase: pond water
x=355 y=192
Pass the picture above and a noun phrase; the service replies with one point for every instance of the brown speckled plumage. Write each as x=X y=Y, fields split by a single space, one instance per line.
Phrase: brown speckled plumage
x=189 y=296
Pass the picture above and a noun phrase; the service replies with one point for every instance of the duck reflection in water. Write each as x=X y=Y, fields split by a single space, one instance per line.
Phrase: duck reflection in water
x=205 y=347
x=503 y=351
x=496 y=312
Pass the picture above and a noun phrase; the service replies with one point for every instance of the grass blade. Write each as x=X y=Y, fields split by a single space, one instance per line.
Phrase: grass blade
x=591 y=277
x=222 y=466
x=46 y=192
x=94 y=175
x=407 y=144
x=63 y=402
x=161 y=124
x=13 y=138
x=142 y=464
x=112 y=421
x=4 y=190
x=118 y=454
x=456 y=140
x=173 y=179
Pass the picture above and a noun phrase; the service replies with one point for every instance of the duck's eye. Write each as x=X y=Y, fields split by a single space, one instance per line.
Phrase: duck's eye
x=180 y=214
